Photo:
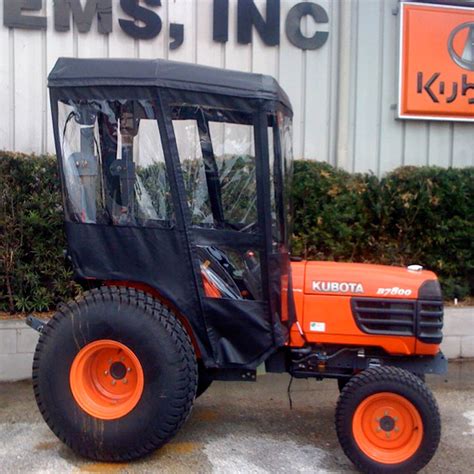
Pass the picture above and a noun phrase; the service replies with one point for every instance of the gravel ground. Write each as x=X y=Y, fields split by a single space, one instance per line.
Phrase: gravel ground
x=240 y=427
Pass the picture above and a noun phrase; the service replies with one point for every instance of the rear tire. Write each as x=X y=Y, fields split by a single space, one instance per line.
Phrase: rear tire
x=153 y=342
x=204 y=379
x=387 y=420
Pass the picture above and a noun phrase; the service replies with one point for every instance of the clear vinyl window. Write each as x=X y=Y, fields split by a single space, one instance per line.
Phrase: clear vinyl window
x=286 y=140
x=218 y=164
x=230 y=273
x=274 y=185
x=234 y=151
x=193 y=169
x=113 y=163
x=217 y=155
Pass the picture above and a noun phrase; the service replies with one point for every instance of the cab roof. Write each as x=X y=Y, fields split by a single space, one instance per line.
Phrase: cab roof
x=75 y=72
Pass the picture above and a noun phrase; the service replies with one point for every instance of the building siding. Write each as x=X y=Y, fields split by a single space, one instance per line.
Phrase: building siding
x=344 y=94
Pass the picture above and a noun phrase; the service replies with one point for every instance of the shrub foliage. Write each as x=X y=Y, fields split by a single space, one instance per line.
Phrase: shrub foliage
x=33 y=275
x=412 y=215
x=419 y=215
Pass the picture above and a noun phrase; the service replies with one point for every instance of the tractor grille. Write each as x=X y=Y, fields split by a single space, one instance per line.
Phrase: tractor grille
x=430 y=321
x=383 y=316
x=400 y=317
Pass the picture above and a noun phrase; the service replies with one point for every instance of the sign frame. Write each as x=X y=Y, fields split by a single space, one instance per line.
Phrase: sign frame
x=408 y=116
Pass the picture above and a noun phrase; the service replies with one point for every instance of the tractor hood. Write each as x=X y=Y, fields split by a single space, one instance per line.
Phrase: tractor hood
x=367 y=280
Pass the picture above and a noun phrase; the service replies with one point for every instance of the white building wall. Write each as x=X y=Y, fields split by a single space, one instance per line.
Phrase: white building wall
x=344 y=94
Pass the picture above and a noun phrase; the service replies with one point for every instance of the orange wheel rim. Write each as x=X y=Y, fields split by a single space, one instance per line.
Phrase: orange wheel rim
x=106 y=379
x=387 y=428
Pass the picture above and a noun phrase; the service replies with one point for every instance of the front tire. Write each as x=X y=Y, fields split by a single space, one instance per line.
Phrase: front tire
x=114 y=374
x=341 y=383
x=387 y=420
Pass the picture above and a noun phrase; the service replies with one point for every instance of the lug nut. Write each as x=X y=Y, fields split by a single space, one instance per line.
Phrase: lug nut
x=106 y=372
x=397 y=429
x=113 y=382
x=129 y=369
x=387 y=434
x=125 y=381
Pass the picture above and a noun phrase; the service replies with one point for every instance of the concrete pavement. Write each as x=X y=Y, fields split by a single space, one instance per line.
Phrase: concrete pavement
x=240 y=427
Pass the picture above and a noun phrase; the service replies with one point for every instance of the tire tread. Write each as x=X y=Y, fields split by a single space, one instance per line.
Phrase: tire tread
x=152 y=308
x=410 y=382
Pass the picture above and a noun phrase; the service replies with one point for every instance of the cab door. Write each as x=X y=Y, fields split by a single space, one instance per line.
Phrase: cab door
x=223 y=162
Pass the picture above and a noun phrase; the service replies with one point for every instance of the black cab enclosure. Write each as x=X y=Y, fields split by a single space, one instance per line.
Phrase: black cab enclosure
x=173 y=178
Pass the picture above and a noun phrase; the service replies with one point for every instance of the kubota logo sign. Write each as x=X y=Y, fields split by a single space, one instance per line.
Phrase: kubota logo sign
x=437 y=62
x=337 y=287
x=464 y=58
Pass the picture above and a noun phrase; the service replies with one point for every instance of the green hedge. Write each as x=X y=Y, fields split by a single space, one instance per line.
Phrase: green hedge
x=33 y=275
x=419 y=215
x=413 y=215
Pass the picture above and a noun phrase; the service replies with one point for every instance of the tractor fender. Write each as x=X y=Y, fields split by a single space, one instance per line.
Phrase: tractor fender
x=157 y=295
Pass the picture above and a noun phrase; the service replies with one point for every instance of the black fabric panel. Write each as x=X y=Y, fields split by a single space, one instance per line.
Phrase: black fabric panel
x=202 y=112
x=75 y=72
x=111 y=93
x=282 y=298
x=276 y=270
x=230 y=238
x=286 y=270
x=213 y=100
x=263 y=198
x=209 y=99
x=146 y=255
x=239 y=330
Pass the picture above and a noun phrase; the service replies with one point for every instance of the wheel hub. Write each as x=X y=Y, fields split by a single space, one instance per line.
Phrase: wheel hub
x=387 y=423
x=387 y=428
x=106 y=379
x=118 y=370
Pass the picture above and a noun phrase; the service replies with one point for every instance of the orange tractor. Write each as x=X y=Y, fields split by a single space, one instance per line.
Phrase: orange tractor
x=176 y=182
